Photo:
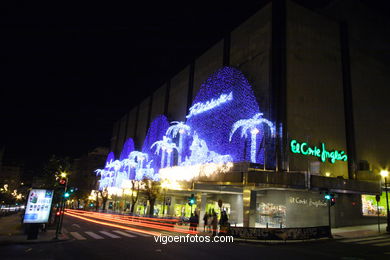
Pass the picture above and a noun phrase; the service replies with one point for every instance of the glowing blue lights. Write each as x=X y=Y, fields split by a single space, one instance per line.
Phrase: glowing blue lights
x=182 y=129
x=252 y=125
x=224 y=104
x=166 y=147
x=202 y=107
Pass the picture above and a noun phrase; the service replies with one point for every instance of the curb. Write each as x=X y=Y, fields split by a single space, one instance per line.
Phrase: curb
x=270 y=242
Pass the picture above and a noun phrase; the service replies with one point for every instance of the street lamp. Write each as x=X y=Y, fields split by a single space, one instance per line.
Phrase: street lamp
x=384 y=174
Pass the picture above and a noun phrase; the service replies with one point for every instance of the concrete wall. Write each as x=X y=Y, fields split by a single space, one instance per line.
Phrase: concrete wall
x=315 y=106
x=158 y=102
x=369 y=37
x=114 y=137
x=206 y=64
x=250 y=53
x=131 y=123
x=122 y=133
x=142 y=123
x=177 y=107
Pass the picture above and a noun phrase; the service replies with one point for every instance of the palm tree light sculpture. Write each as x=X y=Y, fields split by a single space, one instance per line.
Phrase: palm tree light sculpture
x=251 y=124
x=164 y=145
x=173 y=130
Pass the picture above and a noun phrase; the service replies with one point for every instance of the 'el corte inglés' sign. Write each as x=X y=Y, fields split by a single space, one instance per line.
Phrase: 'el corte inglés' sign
x=320 y=152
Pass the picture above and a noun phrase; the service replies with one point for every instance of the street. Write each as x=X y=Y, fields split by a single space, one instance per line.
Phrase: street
x=89 y=240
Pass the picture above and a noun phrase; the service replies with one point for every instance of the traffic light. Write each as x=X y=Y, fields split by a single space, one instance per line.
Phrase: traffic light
x=62 y=181
x=331 y=198
x=66 y=195
x=191 y=200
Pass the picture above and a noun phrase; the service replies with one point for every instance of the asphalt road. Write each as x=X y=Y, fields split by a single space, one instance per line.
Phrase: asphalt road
x=93 y=241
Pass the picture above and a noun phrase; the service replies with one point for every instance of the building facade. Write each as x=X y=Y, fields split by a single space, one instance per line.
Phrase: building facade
x=320 y=79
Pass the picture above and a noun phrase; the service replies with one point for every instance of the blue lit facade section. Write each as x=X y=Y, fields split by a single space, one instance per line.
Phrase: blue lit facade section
x=156 y=132
x=128 y=147
x=214 y=125
x=224 y=124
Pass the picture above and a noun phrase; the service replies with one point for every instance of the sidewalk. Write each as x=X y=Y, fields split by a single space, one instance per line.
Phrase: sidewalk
x=358 y=231
x=11 y=232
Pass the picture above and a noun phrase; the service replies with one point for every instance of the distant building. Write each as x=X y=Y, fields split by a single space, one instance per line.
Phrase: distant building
x=83 y=169
x=11 y=174
x=321 y=77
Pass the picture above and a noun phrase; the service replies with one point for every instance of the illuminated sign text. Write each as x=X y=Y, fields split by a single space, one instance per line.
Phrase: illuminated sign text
x=320 y=152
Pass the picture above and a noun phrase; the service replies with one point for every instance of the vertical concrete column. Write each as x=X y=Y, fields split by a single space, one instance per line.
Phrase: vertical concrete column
x=202 y=197
x=249 y=207
x=171 y=208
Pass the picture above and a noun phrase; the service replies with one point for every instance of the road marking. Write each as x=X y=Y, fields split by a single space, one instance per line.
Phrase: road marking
x=123 y=233
x=77 y=236
x=373 y=241
x=95 y=236
x=136 y=233
x=109 y=234
x=76 y=225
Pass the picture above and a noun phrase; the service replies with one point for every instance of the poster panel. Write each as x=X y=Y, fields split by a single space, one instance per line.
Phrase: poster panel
x=38 y=206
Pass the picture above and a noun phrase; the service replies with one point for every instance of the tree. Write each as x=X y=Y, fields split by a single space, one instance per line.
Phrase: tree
x=53 y=169
x=135 y=187
x=104 y=195
x=51 y=173
x=152 y=190
x=251 y=125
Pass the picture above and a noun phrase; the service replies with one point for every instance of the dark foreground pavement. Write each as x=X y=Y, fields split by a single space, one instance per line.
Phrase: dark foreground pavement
x=92 y=241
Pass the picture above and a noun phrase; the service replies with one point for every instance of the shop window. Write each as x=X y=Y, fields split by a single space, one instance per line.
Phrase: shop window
x=270 y=215
x=370 y=206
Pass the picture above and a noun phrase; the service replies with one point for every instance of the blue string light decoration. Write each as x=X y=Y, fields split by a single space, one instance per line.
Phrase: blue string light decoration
x=156 y=132
x=224 y=124
x=223 y=99
x=128 y=147
x=106 y=174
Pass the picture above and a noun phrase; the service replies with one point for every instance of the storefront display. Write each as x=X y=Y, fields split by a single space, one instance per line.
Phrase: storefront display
x=370 y=208
x=270 y=215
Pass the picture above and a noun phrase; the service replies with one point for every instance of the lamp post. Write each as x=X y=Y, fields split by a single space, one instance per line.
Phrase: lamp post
x=384 y=174
x=62 y=207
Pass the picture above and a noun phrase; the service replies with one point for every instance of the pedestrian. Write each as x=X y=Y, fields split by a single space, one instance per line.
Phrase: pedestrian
x=205 y=217
x=209 y=221
x=223 y=223
x=215 y=223
x=192 y=222
x=196 y=221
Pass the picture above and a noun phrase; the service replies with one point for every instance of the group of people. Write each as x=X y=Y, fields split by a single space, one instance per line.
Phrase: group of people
x=211 y=222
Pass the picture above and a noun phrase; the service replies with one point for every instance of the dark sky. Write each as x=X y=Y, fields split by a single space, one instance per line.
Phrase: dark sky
x=70 y=69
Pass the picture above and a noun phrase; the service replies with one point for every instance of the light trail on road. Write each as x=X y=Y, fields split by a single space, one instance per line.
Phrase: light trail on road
x=114 y=225
x=130 y=220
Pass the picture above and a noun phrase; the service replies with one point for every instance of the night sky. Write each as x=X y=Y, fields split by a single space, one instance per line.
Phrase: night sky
x=70 y=69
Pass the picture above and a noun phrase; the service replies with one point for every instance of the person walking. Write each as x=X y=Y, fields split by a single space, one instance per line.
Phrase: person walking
x=196 y=221
x=205 y=217
x=214 y=223
x=223 y=223
x=192 y=222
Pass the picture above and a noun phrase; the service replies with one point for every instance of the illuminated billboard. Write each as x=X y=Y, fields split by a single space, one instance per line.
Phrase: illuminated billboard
x=38 y=206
